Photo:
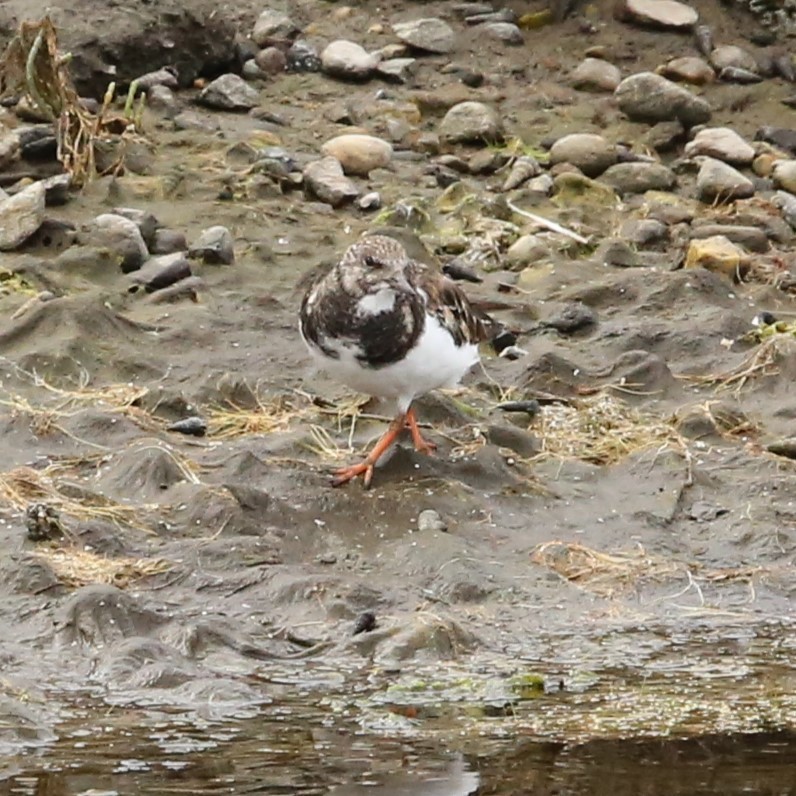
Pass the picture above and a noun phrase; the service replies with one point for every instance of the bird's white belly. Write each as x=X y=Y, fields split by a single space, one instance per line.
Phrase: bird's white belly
x=434 y=362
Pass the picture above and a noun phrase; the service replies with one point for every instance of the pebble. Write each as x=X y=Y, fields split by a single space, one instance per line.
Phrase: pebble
x=194 y=426
x=591 y=153
x=783 y=447
x=14 y=142
x=119 y=235
x=251 y=71
x=523 y=169
x=168 y=241
x=627 y=178
x=430 y=520
x=734 y=74
x=162 y=99
x=303 y=57
x=716 y=254
x=729 y=55
x=325 y=180
x=595 y=74
x=365 y=623
x=56 y=189
x=214 y=246
x=752 y=239
x=784 y=175
x=703 y=37
x=507 y=32
x=348 y=60
x=397 y=70
x=527 y=250
x=431 y=34
x=161 y=272
x=786 y=202
x=618 y=253
x=359 y=154
x=167 y=76
x=647 y=97
x=21 y=215
x=643 y=232
x=781 y=137
x=229 y=93
x=572 y=317
x=471 y=122
x=688 y=69
x=271 y=60
x=665 y=136
x=273 y=24
x=370 y=201
x=721 y=143
x=190 y=120
x=658 y=13
x=718 y=181
x=145 y=221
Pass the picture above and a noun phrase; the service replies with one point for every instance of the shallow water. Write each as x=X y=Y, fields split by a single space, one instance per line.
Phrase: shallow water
x=125 y=754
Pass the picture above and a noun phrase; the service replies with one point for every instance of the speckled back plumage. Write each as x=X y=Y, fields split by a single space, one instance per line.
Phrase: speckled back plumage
x=335 y=312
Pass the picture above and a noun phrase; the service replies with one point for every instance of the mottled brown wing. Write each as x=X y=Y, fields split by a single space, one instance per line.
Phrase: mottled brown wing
x=449 y=303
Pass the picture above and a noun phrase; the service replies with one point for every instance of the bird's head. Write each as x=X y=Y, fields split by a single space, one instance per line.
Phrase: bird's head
x=373 y=260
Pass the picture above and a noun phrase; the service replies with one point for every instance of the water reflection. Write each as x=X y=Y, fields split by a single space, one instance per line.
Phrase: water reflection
x=139 y=754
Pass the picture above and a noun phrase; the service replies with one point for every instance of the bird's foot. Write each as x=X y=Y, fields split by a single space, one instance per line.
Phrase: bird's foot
x=346 y=474
x=421 y=444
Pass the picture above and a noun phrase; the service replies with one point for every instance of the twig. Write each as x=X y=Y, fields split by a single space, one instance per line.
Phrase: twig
x=547 y=224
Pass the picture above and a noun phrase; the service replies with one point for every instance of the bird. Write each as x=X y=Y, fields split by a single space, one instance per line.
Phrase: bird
x=393 y=328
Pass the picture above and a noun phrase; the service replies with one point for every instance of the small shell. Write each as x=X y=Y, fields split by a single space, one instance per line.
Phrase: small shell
x=524 y=169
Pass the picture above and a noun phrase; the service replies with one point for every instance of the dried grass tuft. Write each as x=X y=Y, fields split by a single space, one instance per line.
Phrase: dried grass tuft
x=24 y=485
x=611 y=574
x=602 y=430
x=76 y=568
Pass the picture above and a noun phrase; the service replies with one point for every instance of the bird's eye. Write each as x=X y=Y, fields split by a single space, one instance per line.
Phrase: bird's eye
x=371 y=261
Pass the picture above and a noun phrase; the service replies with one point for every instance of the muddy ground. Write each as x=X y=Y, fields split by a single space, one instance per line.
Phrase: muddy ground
x=209 y=576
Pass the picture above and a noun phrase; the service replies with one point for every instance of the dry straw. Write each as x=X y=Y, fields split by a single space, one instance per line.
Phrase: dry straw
x=75 y=567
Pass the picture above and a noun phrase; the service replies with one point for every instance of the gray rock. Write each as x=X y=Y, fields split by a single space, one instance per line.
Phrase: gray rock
x=526 y=250
x=271 y=61
x=303 y=57
x=370 y=201
x=617 y=252
x=430 y=520
x=431 y=34
x=21 y=215
x=543 y=184
x=643 y=232
x=753 y=239
x=658 y=13
x=784 y=175
x=119 y=235
x=162 y=99
x=190 y=120
x=665 y=136
x=718 y=181
x=348 y=60
x=158 y=273
x=144 y=220
x=647 y=97
x=507 y=32
x=595 y=74
x=56 y=189
x=471 y=122
x=325 y=180
x=166 y=76
x=639 y=177
x=273 y=24
x=730 y=56
x=786 y=202
x=168 y=241
x=721 y=143
x=251 y=71
x=397 y=70
x=229 y=93
x=215 y=246
x=9 y=148
x=591 y=153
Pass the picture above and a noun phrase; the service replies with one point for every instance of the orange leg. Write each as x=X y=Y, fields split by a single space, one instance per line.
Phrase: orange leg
x=421 y=445
x=345 y=474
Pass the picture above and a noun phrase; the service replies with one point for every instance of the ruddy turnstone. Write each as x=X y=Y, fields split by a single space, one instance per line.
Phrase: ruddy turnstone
x=387 y=326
